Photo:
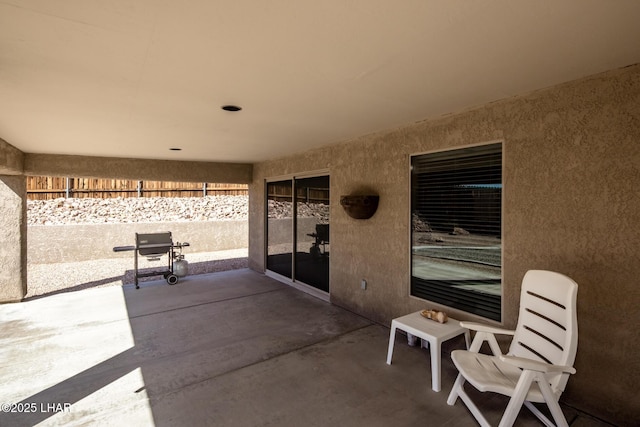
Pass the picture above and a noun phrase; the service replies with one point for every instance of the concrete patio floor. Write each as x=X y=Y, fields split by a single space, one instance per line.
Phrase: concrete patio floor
x=233 y=348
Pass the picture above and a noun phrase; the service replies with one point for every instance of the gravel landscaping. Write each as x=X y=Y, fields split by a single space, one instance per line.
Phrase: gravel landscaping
x=63 y=211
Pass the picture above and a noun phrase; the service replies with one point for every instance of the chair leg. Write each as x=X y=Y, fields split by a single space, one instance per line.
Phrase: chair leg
x=473 y=409
x=458 y=391
x=551 y=401
x=542 y=417
x=517 y=399
x=455 y=390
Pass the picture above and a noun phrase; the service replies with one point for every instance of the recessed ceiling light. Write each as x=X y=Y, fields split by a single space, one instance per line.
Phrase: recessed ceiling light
x=231 y=108
x=175 y=149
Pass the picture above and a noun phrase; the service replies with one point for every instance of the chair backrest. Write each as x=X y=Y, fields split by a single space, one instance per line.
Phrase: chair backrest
x=162 y=239
x=547 y=328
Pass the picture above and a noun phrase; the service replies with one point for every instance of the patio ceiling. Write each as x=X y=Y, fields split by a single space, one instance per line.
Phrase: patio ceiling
x=135 y=78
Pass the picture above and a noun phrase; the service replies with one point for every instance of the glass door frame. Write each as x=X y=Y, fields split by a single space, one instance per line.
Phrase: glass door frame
x=292 y=281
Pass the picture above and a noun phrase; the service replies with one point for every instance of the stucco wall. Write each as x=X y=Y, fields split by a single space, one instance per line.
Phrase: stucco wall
x=146 y=169
x=11 y=159
x=72 y=243
x=13 y=238
x=571 y=204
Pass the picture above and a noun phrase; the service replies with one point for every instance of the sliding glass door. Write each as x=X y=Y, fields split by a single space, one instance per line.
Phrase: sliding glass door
x=298 y=217
x=280 y=227
x=312 y=232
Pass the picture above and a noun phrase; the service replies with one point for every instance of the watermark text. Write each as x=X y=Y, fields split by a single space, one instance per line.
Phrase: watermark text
x=32 y=407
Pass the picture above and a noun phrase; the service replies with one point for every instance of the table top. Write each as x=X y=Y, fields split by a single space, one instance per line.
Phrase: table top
x=431 y=327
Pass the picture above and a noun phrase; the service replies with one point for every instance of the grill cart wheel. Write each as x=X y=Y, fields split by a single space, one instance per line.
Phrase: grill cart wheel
x=172 y=279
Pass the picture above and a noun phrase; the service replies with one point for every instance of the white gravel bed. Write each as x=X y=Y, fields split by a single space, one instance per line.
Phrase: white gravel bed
x=63 y=211
x=118 y=210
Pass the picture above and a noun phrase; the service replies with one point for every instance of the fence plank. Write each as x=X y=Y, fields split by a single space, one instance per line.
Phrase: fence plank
x=47 y=188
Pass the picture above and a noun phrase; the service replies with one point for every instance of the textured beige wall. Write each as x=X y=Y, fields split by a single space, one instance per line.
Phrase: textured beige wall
x=71 y=243
x=13 y=238
x=571 y=204
x=11 y=159
x=162 y=170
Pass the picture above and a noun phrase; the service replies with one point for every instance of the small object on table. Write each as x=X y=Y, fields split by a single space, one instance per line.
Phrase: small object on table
x=438 y=316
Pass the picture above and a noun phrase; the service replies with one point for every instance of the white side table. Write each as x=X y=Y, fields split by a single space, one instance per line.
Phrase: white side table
x=435 y=333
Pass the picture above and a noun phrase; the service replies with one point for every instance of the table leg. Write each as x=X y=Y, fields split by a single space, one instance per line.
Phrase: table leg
x=435 y=347
x=392 y=340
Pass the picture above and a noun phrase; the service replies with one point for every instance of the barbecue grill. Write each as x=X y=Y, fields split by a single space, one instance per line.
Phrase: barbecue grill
x=154 y=246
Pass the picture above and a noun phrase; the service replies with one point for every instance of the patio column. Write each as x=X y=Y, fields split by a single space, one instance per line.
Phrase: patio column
x=13 y=238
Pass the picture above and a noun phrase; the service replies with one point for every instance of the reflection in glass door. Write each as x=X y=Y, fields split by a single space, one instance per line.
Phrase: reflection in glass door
x=298 y=217
x=280 y=227
x=312 y=232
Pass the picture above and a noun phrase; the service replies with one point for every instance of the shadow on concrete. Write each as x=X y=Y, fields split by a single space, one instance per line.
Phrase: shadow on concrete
x=55 y=399
x=127 y=278
x=183 y=336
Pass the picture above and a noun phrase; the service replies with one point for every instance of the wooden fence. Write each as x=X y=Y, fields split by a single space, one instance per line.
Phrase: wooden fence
x=281 y=191
x=48 y=187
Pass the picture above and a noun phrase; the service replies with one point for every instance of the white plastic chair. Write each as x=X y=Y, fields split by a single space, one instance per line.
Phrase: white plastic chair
x=541 y=354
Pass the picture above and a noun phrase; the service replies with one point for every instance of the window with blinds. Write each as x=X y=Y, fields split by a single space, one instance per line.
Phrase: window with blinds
x=456 y=205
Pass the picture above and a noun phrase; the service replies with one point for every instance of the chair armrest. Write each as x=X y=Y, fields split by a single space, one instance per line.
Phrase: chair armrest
x=534 y=365
x=480 y=327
